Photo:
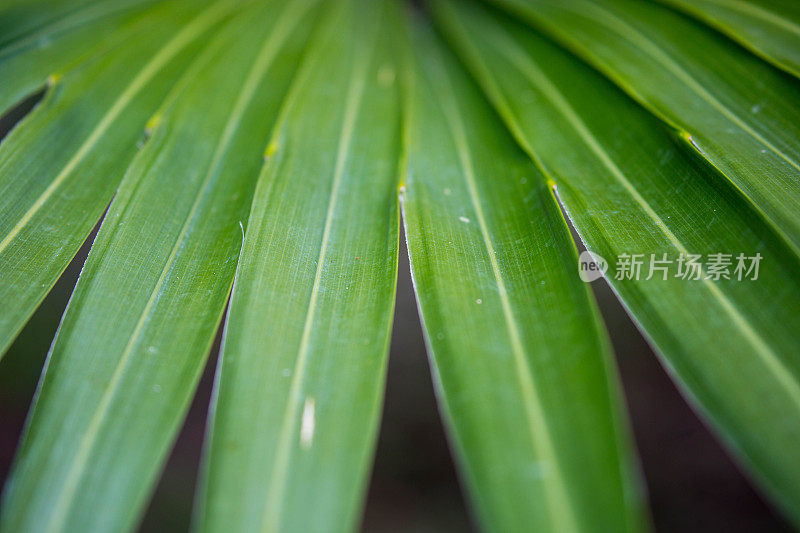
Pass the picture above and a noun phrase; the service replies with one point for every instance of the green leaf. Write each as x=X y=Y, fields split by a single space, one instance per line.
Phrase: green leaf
x=522 y=366
x=128 y=354
x=770 y=28
x=736 y=111
x=60 y=167
x=28 y=61
x=20 y=18
x=632 y=188
x=299 y=390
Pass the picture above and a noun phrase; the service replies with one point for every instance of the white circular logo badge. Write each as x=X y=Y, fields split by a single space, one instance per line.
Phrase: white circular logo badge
x=591 y=266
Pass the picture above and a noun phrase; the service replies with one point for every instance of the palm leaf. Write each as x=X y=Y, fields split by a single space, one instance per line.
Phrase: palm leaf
x=24 y=17
x=521 y=363
x=733 y=109
x=45 y=39
x=301 y=380
x=253 y=152
x=127 y=356
x=60 y=167
x=629 y=187
x=769 y=28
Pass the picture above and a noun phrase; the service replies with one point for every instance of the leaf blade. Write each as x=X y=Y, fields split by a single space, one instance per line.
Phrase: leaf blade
x=129 y=353
x=631 y=188
x=302 y=370
x=769 y=29
x=50 y=47
x=734 y=110
x=491 y=260
x=57 y=171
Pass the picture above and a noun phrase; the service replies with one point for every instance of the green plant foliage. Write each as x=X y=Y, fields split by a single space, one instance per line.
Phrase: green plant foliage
x=521 y=364
x=735 y=110
x=61 y=166
x=770 y=28
x=40 y=43
x=300 y=387
x=128 y=354
x=255 y=155
x=616 y=169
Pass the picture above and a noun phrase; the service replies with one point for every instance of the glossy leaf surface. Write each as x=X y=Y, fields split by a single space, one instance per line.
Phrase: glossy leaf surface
x=300 y=387
x=42 y=40
x=770 y=28
x=128 y=354
x=522 y=366
x=735 y=110
x=60 y=167
x=631 y=188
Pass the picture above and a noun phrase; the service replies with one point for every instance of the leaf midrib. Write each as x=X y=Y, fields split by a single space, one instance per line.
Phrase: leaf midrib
x=537 y=423
x=629 y=33
x=79 y=17
x=188 y=34
x=277 y=486
x=533 y=73
x=260 y=66
x=758 y=12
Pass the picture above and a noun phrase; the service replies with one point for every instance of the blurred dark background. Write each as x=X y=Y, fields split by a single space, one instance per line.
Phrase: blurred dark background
x=693 y=484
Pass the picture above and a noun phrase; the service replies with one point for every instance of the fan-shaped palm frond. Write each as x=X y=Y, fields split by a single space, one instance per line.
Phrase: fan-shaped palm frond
x=256 y=155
